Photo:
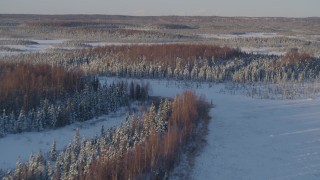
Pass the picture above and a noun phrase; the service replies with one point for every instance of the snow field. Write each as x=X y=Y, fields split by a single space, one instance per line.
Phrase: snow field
x=240 y=35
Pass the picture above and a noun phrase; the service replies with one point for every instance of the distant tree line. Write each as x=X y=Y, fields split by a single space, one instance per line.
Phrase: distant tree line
x=190 y=62
x=87 y=31
x=277 y=44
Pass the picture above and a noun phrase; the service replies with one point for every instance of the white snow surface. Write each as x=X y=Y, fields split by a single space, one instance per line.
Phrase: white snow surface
x=261 y=139
x=101 y=43
x=20 y=146
x=240 y=35
x=98 y=44
x=316 y=36
x=248 y=138
x=42 y=46
x=264 y=50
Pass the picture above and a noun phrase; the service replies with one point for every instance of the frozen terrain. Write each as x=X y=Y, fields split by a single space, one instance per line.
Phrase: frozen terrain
x=261 y=139
x=240 y=35
x=15 y=146
x=12 y=46
x=265 y=50
x=39 y=46
x=97 y=44
x=248 y=138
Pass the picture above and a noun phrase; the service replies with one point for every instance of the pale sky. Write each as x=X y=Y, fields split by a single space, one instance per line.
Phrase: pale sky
x=270 y=8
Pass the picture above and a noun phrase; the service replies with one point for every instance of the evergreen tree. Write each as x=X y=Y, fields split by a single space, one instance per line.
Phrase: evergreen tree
x=131 y=93
x=2 y=124
x=152 y=118
x=138 y=92
x=19 y=170
x=49 y=170
x=76 y=145
x=20 y=122
x=53 y=151
x=102 y=131
x=41 y=169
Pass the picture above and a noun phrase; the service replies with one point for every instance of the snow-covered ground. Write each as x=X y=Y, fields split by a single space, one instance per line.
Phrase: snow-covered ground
x=41 y=46
x=261 y=139
x=265 y=50
x=15 y=146
x=248 y=138
x=97 y=44
x=240 y=35
x=56 y=44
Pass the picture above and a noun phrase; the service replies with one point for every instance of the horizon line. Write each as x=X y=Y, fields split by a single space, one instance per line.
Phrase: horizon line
x=173 y=15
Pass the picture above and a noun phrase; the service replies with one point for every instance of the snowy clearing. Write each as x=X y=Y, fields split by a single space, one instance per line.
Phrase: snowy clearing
x=55 y=44
x=240 y=35
x=15 y=146
x=265 y=51
x=97 y=44
x=41 y=46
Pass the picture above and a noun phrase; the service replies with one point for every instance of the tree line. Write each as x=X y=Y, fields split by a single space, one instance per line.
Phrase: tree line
x=37 y=97
x=190 y=62
x=24 y=85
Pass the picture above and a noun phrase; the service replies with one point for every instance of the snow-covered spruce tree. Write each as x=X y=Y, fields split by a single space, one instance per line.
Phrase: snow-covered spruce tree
x=41 y=168
x=76 y=143
x=53 y=152
x=3 y=122
x=20 y=123
x=19 y=174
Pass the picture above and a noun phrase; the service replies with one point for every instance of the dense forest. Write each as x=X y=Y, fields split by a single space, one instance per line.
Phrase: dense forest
x=37 y=97
x=145 y=147
x=24 y=85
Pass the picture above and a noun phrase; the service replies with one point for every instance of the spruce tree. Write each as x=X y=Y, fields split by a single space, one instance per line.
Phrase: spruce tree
x=53 y=151
x=76 y=145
